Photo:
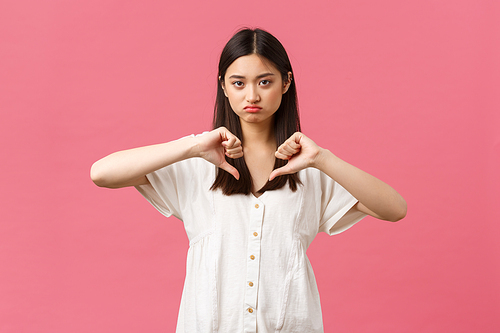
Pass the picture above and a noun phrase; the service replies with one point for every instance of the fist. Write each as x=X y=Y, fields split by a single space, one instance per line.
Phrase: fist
x=300 y=151
x=220 y=142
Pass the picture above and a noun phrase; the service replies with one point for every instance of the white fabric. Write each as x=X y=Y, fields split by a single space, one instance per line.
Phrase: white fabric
x=238 y=239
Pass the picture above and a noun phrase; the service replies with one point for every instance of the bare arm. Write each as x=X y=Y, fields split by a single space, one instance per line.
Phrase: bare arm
x=130 y=167
x=375 y=197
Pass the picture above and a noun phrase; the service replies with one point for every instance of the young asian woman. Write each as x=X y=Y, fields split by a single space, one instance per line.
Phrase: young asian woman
x=252 y=194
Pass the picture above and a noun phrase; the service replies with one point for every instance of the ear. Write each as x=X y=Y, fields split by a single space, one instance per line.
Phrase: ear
x=287 y=83
x=221 y=82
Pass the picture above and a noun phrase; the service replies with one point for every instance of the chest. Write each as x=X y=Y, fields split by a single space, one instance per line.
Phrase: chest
x=260 y=165
x=276 y=217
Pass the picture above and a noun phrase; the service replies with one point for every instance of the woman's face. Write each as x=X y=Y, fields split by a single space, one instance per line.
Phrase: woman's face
x=254 y=88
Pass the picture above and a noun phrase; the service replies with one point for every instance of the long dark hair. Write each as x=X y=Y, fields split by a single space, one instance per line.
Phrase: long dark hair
x=286 y=118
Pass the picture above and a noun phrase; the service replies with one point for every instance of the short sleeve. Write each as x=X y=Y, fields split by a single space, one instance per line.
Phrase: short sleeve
x=172 y=188
x=336 y=203
x=166 y=189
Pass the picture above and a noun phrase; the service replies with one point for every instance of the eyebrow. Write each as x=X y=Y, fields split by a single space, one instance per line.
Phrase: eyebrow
x=235 y=76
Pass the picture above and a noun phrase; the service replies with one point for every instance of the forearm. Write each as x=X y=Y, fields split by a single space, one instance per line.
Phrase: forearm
x=124 y=167
x=374 y=194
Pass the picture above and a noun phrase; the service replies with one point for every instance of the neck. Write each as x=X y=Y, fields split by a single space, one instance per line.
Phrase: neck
x=258 y=134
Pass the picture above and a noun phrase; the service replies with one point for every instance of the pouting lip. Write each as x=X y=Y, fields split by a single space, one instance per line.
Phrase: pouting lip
x=252 y=107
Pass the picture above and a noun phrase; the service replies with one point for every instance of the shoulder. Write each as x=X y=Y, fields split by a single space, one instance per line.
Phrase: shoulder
x=190 y=168
x=317 y=183
x=312 y=176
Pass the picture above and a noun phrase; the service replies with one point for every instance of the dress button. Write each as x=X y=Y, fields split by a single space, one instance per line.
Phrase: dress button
x=252 y=257
x=256 y=205
x=255 y=234
x=250 y=310
x=250 y=284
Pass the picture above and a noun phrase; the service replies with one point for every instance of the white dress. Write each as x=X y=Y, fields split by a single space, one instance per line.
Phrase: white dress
x=247 y=269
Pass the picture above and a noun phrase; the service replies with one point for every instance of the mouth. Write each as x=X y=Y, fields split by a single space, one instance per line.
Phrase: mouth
x=252 y=108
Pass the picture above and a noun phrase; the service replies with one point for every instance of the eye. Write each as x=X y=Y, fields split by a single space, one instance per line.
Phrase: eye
x=238 y=84
x=265 y=82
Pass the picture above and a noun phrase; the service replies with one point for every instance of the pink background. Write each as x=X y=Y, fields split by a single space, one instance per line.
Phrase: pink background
x=402 y=89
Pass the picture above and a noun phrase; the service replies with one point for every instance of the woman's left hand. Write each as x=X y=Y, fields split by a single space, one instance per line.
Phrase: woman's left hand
x=300 y=151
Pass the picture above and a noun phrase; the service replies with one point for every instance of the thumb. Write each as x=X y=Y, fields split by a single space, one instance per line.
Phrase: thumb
x=229 y=168
x=284 y=170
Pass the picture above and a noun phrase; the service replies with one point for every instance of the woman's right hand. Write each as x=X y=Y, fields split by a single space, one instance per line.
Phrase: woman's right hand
x=130 y=167
x=220 y=142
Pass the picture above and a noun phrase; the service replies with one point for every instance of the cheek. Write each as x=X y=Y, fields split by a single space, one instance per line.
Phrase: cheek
x=275 y=97
x=233 y=99
x=236 y=102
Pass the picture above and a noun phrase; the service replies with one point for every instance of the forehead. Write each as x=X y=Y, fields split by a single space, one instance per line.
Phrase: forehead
x=251 y=65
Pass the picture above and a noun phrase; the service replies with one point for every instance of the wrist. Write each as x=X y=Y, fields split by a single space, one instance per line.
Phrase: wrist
x=192 y=146
x=323 y=158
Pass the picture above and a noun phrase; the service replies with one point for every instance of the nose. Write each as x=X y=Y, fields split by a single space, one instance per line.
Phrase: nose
x=252 y=94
